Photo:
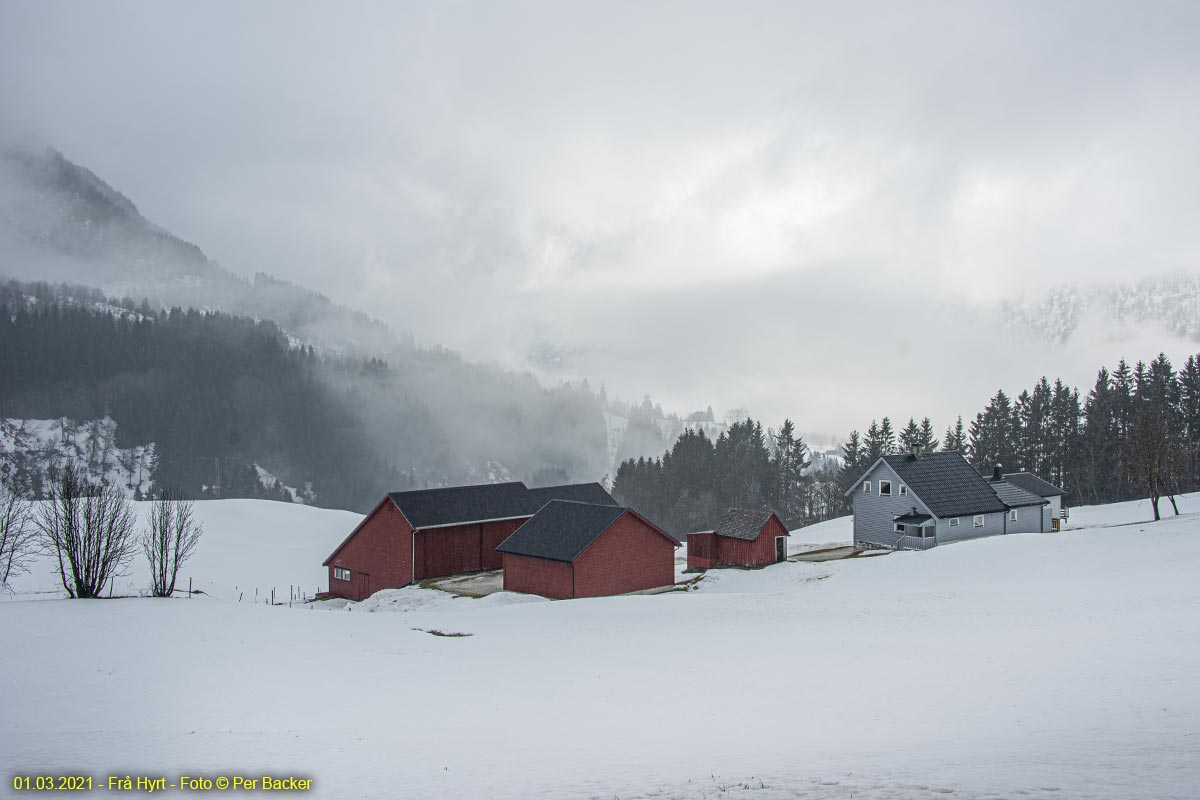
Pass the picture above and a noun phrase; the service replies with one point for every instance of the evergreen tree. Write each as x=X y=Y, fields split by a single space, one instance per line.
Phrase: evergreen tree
x=910 y=436
x=992 y=439
x=1189 y=410
x=928 y=440
x=956 y=439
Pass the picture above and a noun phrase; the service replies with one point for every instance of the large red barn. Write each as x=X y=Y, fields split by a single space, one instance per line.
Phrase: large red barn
x=570 y=550
x=428 y=533
x=745 y=538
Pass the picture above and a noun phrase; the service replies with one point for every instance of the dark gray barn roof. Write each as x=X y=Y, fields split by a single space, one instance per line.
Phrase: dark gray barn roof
x=454 y=505
x=1032 y=483
x=947 y=484
x=742 y=523
x=1014 y=496
x=426 y=508
x=579 y=492
x=562 y=530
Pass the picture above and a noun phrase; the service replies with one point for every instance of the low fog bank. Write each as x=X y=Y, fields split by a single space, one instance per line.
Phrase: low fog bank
x=831 y=352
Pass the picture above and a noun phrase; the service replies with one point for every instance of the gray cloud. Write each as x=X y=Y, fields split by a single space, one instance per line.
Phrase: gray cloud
x=797 y=208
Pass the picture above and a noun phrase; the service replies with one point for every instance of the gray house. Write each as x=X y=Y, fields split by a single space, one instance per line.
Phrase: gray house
x=917 y=501
x=1054 y=510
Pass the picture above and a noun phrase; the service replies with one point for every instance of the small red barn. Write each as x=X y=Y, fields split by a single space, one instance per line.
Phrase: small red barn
x=745 y=538
x=429 y=533
x=571 y=549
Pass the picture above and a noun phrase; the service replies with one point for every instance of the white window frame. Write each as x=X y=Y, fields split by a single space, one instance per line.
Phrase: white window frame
x=1012 y=515
x=899 y=528
x=867 y=487
x=978 y=521
x=952 y=522
x=903 y=490
x=341 y=573
x=888 y=493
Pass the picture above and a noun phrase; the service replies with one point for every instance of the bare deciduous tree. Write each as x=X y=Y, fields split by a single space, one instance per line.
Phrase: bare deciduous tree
x=92 y=531
x=18 y=535
x=170 y=540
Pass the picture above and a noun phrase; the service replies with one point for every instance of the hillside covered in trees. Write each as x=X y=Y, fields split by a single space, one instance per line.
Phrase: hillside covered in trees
x=215 y=391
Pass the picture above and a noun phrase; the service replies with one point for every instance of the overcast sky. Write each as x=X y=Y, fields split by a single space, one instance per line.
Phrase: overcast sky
x=804 y=210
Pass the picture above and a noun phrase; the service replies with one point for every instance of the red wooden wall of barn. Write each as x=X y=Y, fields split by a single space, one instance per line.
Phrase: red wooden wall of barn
x=461 y=548
x=628 y=557
x=757 y=553
x=542 y=576
x=378 y=555
x=493 y=534
x=701 y=550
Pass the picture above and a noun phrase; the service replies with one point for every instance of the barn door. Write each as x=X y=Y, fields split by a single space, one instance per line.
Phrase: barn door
x=781 y=548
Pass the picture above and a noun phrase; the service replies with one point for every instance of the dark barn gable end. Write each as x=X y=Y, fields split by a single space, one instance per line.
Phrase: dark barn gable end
x=429 y=533
x=744 y=538
x=571 y=550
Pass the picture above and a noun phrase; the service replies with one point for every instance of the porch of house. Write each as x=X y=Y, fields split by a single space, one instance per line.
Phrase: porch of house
x=917 y=532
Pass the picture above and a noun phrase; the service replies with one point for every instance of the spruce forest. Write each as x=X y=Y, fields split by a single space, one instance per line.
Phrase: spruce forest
x=1135 y=434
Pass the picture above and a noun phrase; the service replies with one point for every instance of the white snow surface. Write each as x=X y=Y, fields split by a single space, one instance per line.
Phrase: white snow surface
x=1033 y=666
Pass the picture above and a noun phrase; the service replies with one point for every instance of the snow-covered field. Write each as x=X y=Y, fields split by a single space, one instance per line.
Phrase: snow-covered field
x=249 y=547
x=1034 y=666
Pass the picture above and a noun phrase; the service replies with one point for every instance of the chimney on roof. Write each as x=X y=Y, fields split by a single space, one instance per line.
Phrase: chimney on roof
x=996 y=473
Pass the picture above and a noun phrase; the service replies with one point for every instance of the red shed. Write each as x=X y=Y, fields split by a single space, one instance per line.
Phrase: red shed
x=429 y=533
x=573 y=549
x=745 y=538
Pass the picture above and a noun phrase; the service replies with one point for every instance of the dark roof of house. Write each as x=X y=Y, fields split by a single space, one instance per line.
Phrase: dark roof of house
x=1032 y=483
x=579 y=492
x=913 y=519
x=742 y=523
x=563 y=529
x=946 y=483
x=453 y=505
x=1014 y=496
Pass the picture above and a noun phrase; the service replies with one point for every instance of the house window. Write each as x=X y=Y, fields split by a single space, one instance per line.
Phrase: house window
x=867 y=487
x=953 y=523
x=1012 y=515
x=899 y=528
x=341 y=573
x=903 y=490
x=978 y=521
x=885 y=487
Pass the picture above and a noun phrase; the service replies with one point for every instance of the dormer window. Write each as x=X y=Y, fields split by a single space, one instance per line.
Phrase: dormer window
x=885 y=488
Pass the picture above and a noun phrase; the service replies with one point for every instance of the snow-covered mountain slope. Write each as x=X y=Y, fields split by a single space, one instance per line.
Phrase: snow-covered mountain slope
x=1172 y=302
x=32 y=449
x=1038 y=665
x=59 y=221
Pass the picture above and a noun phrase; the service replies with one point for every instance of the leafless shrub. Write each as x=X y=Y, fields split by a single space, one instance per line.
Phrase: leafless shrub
x=18 y=535
x=170 y=540
x=92 y=531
